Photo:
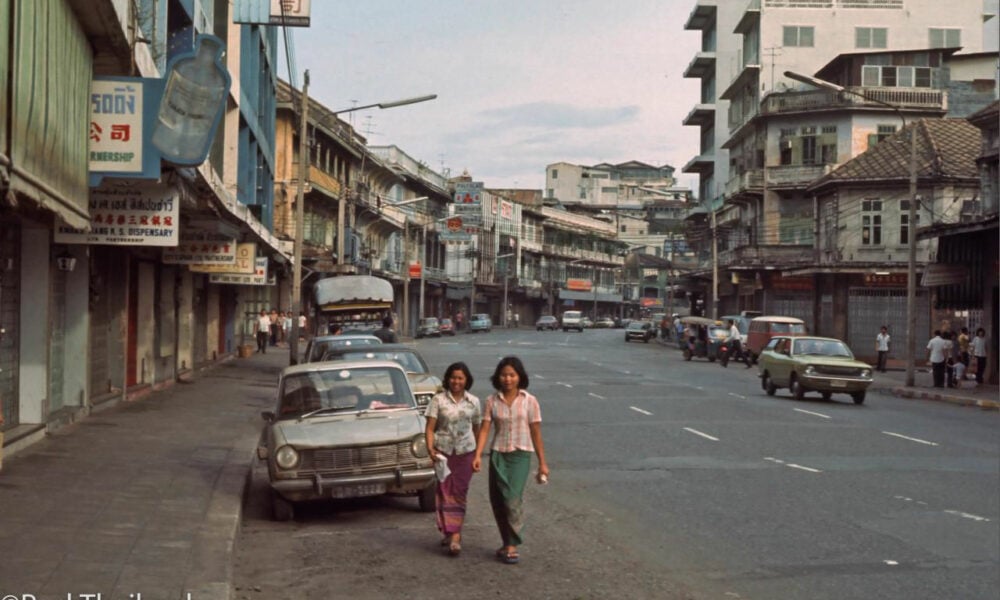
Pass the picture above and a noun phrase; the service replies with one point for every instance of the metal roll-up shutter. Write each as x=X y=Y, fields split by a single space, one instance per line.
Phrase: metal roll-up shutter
x=10 y=293
x=871 y=308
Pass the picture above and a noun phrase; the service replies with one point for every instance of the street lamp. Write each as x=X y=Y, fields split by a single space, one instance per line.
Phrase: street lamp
x=405 y=325
x=293 y=346
x=503 y=316
x=911 y=267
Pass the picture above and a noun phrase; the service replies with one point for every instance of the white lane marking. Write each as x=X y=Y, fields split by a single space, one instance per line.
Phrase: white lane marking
x=912 y=439
x=702 y=434
x=539 y=376
x=645 y=412
x=627 y=372
x=740 y=396
x=810 y=469
x=966 y=515
x=596 y=396
x=908 y=499
x=891 y=563
x=815 y=414
x=791 y=465
x=698 y=387
x=564 y=384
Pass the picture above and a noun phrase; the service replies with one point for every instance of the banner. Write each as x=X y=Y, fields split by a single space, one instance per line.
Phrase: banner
x=257 y=277
x=202 y=247
x=244 y=264
x=128 y=213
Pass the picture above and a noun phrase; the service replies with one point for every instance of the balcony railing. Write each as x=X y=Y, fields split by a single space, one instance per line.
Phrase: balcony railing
x=776 y=256
x=904 y=98
x=748 y=181
x=795 y=175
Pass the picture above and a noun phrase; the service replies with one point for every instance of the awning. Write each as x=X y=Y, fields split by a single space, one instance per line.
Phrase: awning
x=458 y=293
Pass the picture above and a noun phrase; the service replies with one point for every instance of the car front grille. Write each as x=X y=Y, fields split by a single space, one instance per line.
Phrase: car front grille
x=364 y=459
x=835 y=370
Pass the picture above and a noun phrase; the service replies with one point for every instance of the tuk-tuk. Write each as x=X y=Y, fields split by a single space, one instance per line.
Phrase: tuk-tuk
x=703 y=338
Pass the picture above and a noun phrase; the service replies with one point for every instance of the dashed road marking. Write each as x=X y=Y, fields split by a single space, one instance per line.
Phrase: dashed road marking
x=596 y=396
x=912 y=439
x=740 y=396
x=815 y=414
x=564 y=384
x=966 y=515
x=891 y=563
x=791 y=465
x=702 y=434
x=639 y=410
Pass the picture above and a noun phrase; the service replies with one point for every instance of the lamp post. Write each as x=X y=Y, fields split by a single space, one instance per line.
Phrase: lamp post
x=405 y=325
x=423 y=261
x=300 y=203
x=503 y=315
x=911 y=265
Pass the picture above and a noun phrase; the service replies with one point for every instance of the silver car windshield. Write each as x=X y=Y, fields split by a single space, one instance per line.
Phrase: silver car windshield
x=343 y=390
x=821 y=348
x=408 y=360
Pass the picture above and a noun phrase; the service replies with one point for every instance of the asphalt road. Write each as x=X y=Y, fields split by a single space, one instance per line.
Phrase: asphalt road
x=674 y=479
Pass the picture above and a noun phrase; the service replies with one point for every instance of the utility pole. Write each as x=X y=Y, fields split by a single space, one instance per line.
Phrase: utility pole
x=715 y=268
x=293 y=344
x=911 y=266
x=405 y=325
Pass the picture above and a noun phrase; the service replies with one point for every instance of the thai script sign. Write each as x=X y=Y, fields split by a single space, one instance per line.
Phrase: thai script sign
x=244 y=263
x=469 y=192
x=202 y=247
x=128 y=213
x=257 y=277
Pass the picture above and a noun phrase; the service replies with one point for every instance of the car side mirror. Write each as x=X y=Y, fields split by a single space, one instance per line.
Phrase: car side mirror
x=267 y=415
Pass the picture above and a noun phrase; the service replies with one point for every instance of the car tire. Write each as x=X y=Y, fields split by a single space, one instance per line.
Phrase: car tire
x=711 y=359
x=427 y=498
x=768 y=384
x=626 y=339
x=798 y=392
x=281 y=509
x=646 y=340
x=827 y=395
x=858 y=397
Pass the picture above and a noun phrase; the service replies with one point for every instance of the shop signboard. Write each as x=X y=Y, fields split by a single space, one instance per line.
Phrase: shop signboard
x=257 y=277
x=202 y=247
x=244 y=263
x=128 y=213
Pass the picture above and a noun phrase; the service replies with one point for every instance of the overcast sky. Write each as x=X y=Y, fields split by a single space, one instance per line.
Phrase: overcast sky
x=521 y=84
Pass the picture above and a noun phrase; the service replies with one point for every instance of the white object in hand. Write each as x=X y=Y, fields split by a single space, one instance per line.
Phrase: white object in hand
x=543 y=478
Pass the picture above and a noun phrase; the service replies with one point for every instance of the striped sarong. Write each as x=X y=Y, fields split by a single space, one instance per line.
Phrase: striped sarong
x=508 y=475
x=452 y=493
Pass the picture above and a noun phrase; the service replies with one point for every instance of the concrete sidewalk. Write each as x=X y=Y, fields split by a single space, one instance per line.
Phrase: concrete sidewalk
x=141 y=498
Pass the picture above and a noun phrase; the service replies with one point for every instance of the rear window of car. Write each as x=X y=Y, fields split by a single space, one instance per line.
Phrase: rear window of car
x=481 y=317
x=571 y=314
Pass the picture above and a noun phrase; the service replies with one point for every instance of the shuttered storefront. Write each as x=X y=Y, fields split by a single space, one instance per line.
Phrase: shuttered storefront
x=868 y=309
x=10 y=292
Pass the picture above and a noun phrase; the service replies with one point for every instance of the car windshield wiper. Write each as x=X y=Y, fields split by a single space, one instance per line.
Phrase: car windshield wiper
x=384 y=410
x=319 y=411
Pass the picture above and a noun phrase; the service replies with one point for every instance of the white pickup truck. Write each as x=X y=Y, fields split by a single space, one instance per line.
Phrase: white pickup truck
x=572 y=319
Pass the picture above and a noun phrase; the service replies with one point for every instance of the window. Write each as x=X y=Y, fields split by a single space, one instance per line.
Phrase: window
x=871 y=222
x=871 y=37
x=808 y=149
x=945 y=38
x=796 y=35
x=555 y=173
x=884 y=131
x=890 y=76
x=904 y=221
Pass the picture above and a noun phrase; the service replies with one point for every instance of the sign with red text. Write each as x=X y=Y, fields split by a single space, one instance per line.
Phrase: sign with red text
x=244 y=264
x=257 y=277
x=202 y=247
x=128 y=213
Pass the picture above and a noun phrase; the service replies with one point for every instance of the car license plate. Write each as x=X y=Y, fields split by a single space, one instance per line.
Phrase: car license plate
x=357 y=491
x=838 y=383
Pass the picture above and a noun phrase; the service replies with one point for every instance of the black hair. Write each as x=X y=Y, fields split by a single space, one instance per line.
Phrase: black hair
x=514 y=363
x=458 y=366
x=980 y=330
x=387 y=322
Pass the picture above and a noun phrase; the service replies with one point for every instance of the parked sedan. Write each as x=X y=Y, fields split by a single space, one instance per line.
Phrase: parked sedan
x=813 y=364
x=424 y=384
x=446 y=327
x=345 y=430
x=639 y=330
x=480 y=322
x=319 y=344
x=547 y=322
x=429 y=327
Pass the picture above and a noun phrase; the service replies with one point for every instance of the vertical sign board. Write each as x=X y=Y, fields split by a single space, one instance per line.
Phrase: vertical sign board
x=290 y=13
x=128 y=213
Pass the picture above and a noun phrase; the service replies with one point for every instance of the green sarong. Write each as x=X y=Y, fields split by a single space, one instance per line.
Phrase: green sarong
x=508 y=475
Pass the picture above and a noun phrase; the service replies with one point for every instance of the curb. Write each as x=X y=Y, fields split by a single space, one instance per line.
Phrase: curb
x=904 y=392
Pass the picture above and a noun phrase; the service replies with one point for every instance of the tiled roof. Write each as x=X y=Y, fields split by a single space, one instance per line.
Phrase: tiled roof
x=946 y=150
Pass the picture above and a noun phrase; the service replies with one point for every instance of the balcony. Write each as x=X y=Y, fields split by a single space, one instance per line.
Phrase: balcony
x=751 y=182
x=701 y=115
x=702 y=65
x=904 y=98
x=775 y=256
x=703 y=163
x=701 y=17
x=795 y=176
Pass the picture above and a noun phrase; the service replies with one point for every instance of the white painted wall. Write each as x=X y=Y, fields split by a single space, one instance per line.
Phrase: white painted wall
x=33 y=384
x=76 y=364
x=145 y=362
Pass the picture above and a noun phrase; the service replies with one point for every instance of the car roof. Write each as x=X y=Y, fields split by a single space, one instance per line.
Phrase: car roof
x=338 y=366
x=344 y=336
x=778 y=319
x=380 y=348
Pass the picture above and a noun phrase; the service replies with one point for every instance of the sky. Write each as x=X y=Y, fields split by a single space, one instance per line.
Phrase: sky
x=521 y=84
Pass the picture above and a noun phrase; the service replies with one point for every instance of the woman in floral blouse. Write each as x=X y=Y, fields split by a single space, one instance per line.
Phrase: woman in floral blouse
x=518 y=432
x=453 y=418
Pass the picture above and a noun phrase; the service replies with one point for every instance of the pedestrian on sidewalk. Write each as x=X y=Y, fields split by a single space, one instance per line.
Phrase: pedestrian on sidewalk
x=936 y=349
x=263 y=331
x=949 y=358
x=302 y=325
x=453 y=420
x=517 y=418
x=979 y=351
x=882 y=348
x=275 y=326
x=963 y=350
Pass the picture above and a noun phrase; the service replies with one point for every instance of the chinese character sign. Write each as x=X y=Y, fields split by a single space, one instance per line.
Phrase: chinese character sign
x=128 y=213
x=116 y=126
x=198 y=247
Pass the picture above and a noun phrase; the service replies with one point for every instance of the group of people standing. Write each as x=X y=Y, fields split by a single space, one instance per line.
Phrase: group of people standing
x=951 y=356
x=458 y=431
x=273 y=329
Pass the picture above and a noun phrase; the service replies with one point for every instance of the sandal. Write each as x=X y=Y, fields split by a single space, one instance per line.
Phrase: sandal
x=455 y=548
x=508 y=557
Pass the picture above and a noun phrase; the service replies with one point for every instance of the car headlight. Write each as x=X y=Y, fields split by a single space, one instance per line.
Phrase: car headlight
x=809 y=370
x=286 y=457
x=866 y=372
x=419 y=446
